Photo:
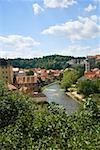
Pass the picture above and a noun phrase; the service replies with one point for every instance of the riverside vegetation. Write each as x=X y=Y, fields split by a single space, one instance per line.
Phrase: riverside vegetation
x=86 y=87
x=25 y=125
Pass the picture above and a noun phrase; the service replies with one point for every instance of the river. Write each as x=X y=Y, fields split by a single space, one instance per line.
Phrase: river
x=55 y=94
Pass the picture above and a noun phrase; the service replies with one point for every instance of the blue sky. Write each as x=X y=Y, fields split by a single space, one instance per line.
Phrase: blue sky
x=34 y=28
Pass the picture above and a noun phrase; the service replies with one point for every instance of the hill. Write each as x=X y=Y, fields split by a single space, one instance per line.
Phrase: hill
x=47 y=62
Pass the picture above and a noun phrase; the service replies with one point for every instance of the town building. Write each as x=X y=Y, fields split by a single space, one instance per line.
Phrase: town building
x=31 y=82
x=6 y=71
x=15 y=71
x=76 y=61
x=93 y=60
x=92 y=74
x=87 y=65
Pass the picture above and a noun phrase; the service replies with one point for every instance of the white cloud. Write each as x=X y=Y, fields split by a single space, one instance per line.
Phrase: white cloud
x=90 y=8
x=20 y=54
x=96 y=1
x=17 y=46
x=37 y=8
x=83 y=28
x=59 y=3
x=80 y=50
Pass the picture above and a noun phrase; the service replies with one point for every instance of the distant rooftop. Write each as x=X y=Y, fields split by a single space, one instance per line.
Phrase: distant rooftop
x=94 y=57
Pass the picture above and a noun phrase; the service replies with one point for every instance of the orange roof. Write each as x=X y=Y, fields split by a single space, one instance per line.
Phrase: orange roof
x=92 y=74
x=91 y=57
x=97 y=56
x=94 y=57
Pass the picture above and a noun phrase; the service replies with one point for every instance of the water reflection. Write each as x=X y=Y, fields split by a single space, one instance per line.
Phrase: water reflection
x=55 y=94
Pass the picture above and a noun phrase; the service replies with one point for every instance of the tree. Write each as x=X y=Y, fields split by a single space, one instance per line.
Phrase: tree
x=30 y=73
x=87 y=87
x=97 y=82
x=96 y=65
x=60 y=76
x=3 y=89
x=70 y=76
x=80 y=68
x=47 y=62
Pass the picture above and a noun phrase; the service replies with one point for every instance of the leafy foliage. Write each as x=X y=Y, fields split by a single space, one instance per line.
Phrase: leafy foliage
x=87 y=87
x=96 y=98
x=70 y=76
x=46 y=126
x=80 y=68
x=96 y=65
x=30 y=73
x=47 y=62
x=97 y=82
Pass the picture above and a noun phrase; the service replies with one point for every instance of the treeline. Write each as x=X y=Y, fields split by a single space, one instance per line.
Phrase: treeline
x=25 y=125
x=47 y=62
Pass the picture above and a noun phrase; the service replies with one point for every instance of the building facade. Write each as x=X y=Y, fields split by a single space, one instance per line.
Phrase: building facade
x=30 y=82
x=87 y=65
x=6 y=71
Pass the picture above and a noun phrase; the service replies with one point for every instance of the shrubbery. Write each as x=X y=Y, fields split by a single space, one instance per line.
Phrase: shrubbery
x=88 y=87
x=46 y=126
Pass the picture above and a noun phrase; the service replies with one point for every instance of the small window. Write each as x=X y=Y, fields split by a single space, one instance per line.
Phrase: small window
x=32 y=79
x=23 y=79
x=28 y=79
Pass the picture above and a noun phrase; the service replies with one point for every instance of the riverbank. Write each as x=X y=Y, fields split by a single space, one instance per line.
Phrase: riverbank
x=46 y=86
x=73 y=95
x=37 y=97
x=72 y=92
x=40 y=100
x=55 y=94
x=79 y=98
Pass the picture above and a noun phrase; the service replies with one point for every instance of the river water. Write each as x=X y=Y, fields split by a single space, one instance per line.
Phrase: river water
x=55 y=94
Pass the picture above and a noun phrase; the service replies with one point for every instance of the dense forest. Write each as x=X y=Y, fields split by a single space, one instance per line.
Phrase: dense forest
x=25 y=125
x=48 y=62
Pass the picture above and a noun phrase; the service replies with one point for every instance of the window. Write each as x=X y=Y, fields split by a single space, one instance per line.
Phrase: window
x=23 y=79
x=28 y=79
x=32 y=79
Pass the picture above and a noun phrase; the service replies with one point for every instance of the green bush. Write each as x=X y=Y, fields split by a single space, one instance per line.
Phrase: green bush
x=87 y=87
x=47 y=126
x=8 y=112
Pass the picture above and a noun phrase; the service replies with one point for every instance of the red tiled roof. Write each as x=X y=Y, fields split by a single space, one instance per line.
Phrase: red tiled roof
x=94 y=57
x=97 y=56
x=92 y=74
